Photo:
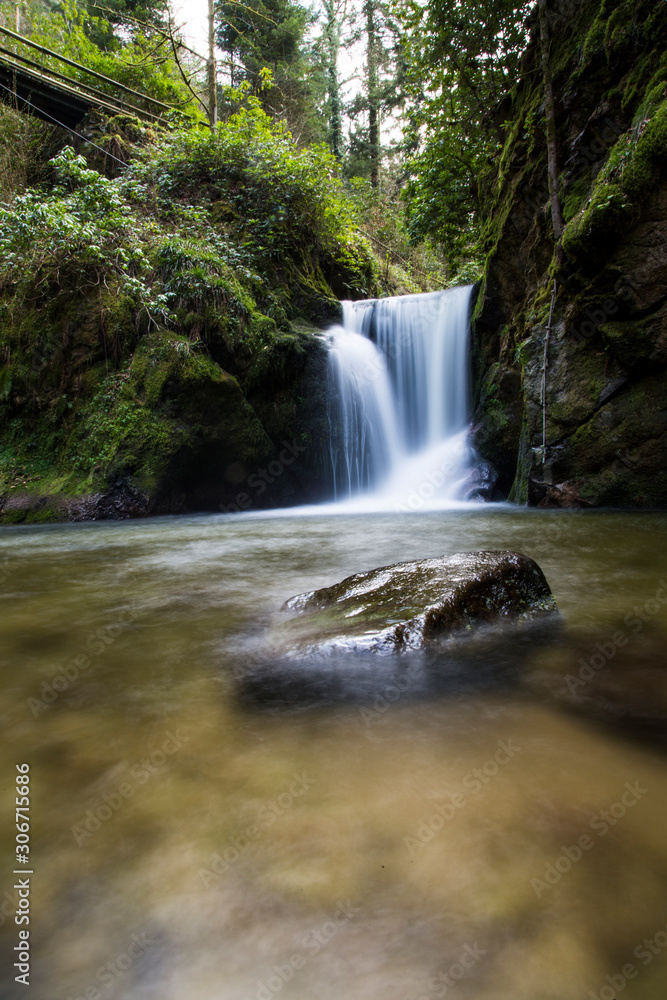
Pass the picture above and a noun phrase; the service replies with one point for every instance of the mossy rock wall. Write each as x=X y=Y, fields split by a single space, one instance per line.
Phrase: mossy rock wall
x=605 y=410
x=165 y=362
x=167 y=431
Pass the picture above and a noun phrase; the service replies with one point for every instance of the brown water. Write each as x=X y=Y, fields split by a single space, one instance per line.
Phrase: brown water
x=190 y=846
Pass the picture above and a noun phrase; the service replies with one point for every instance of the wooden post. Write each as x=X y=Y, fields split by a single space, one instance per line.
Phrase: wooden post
x=212 y=75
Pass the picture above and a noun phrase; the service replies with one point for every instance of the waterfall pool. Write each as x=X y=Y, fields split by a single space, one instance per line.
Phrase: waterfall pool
x=486 y=845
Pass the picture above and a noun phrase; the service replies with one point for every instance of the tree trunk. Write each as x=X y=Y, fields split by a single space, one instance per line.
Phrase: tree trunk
x=335 y=109
x=552 y=146
x=372 y=80
x=212 y=75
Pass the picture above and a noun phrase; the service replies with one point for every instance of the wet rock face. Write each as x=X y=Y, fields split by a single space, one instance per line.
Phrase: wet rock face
x=481 y=483
x=416 y=605
x=597 y=435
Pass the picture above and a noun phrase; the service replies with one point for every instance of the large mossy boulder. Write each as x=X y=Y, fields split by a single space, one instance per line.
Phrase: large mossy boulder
x=416 y=605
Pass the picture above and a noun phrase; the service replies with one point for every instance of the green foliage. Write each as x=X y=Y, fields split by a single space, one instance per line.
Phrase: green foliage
x=277 y=201
x=265 y=42
x=121 y=298
x=79 y=233
x=193 y=227
x=462 y=57
x=411 y=266
x=139 y=58
x=126 y=16
x=24 y=140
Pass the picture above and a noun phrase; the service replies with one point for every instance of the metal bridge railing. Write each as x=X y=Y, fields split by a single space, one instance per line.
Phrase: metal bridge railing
x=76 y=88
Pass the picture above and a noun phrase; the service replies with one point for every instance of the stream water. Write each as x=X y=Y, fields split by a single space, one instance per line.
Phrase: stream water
x=189 y=844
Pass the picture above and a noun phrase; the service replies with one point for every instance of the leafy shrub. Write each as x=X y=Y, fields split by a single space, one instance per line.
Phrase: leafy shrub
x=21 y=150
x=77 y=234
x=277 y=200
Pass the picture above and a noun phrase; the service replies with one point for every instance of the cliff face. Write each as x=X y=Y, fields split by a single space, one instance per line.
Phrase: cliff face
x=168 y=431
x=603 y=411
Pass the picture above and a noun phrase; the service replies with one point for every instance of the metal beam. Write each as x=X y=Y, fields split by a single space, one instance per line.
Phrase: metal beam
x=42 y=91
x=80 y=66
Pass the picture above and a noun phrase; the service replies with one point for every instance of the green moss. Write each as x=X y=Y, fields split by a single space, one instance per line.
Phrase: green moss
x=636 y=342
x=44 y=515
x=641 y=171
x=523 y=352
x=519 y=491
x=599 y=222
x=10 y=517
x=575 y=195
x=626 y=181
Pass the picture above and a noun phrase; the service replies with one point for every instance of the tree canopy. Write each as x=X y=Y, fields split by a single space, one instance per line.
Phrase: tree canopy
x=429 y=80
x=462 y=59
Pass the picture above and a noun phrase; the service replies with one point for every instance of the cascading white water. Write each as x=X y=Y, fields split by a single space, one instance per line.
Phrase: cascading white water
x=399 y=404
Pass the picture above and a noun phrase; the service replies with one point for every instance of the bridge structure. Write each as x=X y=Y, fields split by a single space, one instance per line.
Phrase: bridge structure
x=30 y=83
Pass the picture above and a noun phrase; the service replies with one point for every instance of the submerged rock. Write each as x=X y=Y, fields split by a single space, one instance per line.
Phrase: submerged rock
x=481 y=483
x=416 y=605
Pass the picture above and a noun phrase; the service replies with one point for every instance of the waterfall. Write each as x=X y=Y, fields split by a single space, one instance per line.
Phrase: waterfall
x=399 y=400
